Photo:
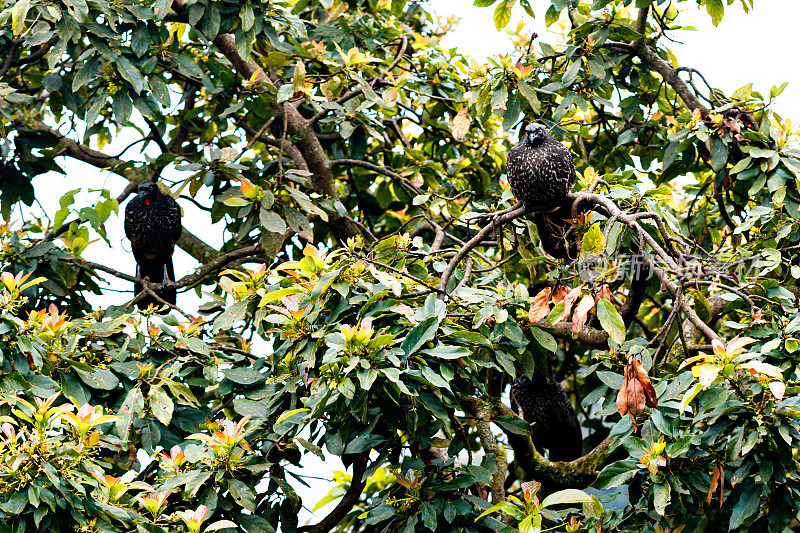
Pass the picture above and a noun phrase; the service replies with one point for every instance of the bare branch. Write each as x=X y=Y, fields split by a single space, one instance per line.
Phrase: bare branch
x=348 y=501
x=190 y=280
x=496 y=222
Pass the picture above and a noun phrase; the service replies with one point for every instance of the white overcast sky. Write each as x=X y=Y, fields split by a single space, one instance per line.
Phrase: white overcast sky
x=759 y=48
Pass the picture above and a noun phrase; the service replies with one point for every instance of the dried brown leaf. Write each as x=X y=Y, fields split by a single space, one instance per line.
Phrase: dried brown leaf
x=540 y=306
x=649 y=392
x=714 y=483
x=581 y=313
x=604 y=294
x=569 y=300
x=622 y=398
x=634 y=392
x=460 y=125
x=559 y=293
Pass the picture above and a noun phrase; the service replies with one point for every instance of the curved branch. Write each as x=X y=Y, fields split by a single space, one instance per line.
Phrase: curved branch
x=348 y=501
x=189 y=280
x=504 y=218
x=578 y=473
x=378 y=169
x=646 y=239
x=9 y=60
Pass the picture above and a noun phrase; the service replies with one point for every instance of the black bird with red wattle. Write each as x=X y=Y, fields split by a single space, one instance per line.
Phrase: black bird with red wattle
x=153 y=225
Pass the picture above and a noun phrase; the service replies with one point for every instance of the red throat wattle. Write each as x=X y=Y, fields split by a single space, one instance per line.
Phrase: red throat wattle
x=147 y=201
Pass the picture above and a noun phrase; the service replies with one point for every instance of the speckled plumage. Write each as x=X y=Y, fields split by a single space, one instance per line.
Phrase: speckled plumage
x=153 y=225
x=539 y=169
x=554 y=425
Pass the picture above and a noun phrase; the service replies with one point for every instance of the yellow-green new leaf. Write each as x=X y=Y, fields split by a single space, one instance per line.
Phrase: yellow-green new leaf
x=288 y=414
x=611 y=321
x=566 y=496
x=593 y=240
x=502 y=14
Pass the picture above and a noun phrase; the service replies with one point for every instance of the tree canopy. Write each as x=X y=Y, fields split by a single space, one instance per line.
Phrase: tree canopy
x=378 y=289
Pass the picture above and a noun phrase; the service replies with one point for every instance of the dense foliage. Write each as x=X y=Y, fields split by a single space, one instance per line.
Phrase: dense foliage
x=378 y=289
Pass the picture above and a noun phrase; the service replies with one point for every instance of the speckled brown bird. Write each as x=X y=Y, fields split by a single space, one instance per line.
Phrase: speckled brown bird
x=540 y=169
x=153 y=225
x=554 y=424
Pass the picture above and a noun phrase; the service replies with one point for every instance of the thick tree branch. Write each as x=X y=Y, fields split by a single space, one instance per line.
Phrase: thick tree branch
x=190 y=280
x=302 y=132
x=497 y=221
x=646 y=239
x=348 y=501
x=483 y=416
x=578 y=473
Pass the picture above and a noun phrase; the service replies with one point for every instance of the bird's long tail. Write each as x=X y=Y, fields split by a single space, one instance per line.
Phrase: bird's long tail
x=154 y=272
x=553 y=231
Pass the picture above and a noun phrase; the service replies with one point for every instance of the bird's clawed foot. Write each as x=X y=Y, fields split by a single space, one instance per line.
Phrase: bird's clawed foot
x=166 y=281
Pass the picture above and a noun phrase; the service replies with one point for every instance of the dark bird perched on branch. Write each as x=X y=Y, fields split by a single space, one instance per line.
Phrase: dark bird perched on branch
x=153 y=225
x=541 y=172
x=545 y=406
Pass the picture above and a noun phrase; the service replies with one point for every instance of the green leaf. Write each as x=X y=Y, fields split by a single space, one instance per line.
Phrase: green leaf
x=161 y=405
x=289 y=414
x=616 y=474
x=133 y=405
x=236 y=201
x=130 y=73
x=272 y=221
x=242 y=494
x=419 y=335
x=719 y=155
x=502 y=14
x=101 y=379
x=221 y=524
x=18 y=15
x=716 y=9
x=187 y=65
x=16 y=503
x=244 y=376
x=551 y=16
x=746 y=506
x=661 y=497
x=472 y=336
x=443 y=351
x=611 y=321
x=593 y=241
x=514 y=424
x=530 y=95
x=572 y=73
x=566 y=496
x=483 y=3
x=230 y=316
x=247 y=17
x=85 y=73
x=545 y=339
